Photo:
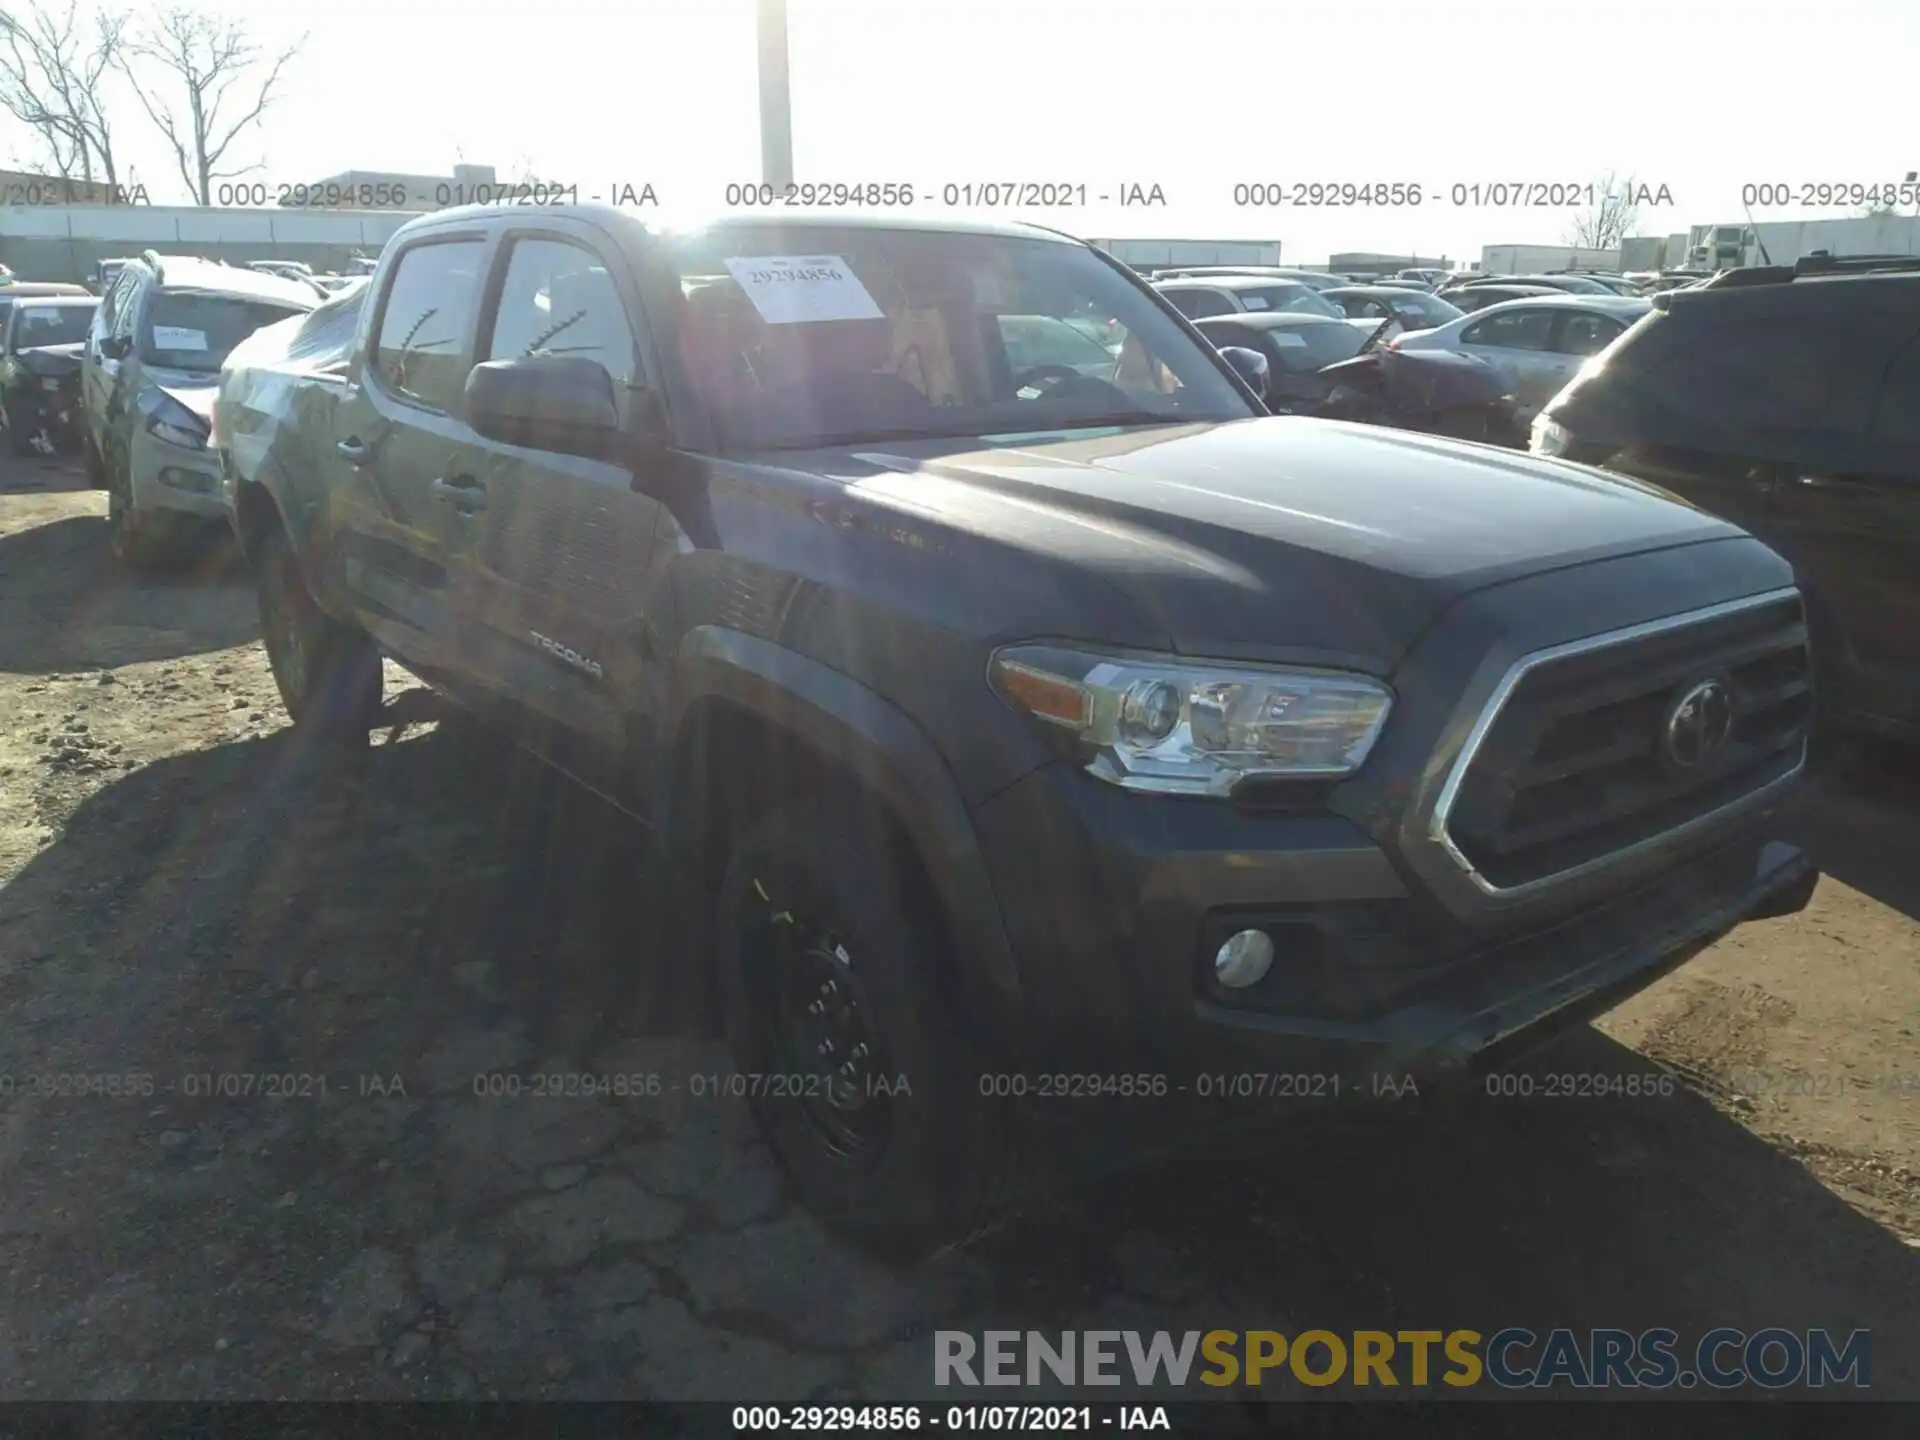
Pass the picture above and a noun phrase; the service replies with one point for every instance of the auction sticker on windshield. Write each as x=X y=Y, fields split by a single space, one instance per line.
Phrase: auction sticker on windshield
x=803 y=289
x=45 y=312
x=1287 y=342
x=177 y=337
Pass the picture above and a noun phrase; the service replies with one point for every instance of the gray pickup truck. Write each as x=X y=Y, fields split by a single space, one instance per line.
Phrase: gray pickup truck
x=1018 y=738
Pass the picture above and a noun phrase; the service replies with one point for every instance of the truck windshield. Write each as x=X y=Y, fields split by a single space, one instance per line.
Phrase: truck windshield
x=194 y=330
x=820 y=335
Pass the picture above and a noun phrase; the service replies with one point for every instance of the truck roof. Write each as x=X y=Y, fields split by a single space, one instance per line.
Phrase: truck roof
x=778 y=219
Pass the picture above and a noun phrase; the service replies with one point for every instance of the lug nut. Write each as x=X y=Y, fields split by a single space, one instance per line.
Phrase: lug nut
x=826 y=1047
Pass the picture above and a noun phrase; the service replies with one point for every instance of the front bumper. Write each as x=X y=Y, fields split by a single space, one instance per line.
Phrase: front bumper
x=1115 y=904
x=173 y=478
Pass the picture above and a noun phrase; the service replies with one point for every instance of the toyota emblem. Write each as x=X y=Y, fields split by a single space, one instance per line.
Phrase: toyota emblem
x=1698 y=725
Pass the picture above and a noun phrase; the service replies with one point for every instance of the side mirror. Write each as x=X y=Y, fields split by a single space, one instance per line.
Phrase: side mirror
x=1250 y=366
x=115 y=347
x=545 y=402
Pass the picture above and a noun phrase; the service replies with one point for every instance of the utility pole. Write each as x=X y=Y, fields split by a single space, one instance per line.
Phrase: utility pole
x=776 y=103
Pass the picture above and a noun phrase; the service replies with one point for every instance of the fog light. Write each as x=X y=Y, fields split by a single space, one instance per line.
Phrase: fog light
x=1244 y=960
x=197 y=482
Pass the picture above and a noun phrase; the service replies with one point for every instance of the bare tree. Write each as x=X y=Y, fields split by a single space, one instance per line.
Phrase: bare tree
x=52 y=80
x=1611 y=216
x=212 y=59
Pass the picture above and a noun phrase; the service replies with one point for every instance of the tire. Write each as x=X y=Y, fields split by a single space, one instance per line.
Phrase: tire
x=801 y=883
x=19 y=439
x=95 y=467
x=136 y=541
x=328 y=673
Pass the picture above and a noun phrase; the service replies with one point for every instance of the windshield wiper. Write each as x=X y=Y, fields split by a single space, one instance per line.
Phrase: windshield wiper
x=868 y=437
x=862 y=437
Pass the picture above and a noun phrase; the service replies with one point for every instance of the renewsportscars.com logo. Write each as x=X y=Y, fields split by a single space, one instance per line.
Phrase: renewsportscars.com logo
x=1513 y=1359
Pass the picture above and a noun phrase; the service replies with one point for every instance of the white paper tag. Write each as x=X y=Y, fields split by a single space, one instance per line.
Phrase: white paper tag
x=1254 y=302
x=1286 y=340
x=41 y=312
x=803 y=289
x=175 y=337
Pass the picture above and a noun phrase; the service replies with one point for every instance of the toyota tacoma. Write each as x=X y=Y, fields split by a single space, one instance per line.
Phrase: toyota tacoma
x=1015 y=733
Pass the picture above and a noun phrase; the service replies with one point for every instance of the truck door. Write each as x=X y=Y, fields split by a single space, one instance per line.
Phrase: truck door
x=555 y=575
x=405 y=455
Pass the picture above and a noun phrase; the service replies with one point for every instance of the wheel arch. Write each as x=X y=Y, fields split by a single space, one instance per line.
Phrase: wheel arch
x=755 y=721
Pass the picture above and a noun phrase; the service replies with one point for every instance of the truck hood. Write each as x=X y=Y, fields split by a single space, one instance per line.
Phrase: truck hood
x=1265 y=538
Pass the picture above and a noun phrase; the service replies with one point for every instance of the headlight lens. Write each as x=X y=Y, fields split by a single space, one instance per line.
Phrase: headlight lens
x=1193 y=728
x=182 y=429
x=1547 y=438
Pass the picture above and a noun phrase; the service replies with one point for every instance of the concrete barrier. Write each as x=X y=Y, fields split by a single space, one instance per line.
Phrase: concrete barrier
x=65 y=242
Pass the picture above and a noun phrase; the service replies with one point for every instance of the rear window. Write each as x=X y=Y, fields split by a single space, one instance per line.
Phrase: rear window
x=49 y=324
x=1289 y=298
x=1306 y=348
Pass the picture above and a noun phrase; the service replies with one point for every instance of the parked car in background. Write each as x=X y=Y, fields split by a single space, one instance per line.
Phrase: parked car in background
x=1296 y=348
x=1569 y=284
x=1320 y=368
x=1618 y=284
x=1046 y=342
x=1394 y=282
x=1235 y=294
x=999 y=723
x=1414 y=310
x=1313 y=279
x=1786 y=399
x=101 y=277
x=1677 y=280
x=148 y=376
x=1538 y=344
x=40 y=343
x=1469 y=298
x=12 y=291
x=1421 y=275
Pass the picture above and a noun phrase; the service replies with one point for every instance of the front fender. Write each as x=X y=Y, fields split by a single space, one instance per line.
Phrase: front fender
x=851 y=726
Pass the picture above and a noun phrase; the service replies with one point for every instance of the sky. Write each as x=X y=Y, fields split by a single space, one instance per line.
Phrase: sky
x=1196 y=99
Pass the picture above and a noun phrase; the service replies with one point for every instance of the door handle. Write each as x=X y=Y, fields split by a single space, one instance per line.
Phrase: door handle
x=353 y=449
x=463 y=492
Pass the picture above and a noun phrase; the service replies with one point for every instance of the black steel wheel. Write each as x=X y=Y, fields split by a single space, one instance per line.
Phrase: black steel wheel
x=849 y=1035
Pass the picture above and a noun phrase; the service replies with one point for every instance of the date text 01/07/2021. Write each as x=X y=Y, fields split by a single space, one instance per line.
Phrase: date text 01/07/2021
x=1467 y=195
x=1033 y=1419
x=953 y=195
x=398 y=195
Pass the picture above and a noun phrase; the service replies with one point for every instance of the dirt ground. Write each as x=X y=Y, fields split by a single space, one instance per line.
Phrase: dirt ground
x=177 y=903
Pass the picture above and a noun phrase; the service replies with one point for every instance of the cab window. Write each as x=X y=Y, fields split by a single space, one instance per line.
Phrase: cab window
x=424 y=323
x=558 y=299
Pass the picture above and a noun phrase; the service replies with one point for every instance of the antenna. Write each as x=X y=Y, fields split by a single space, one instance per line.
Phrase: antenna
x=1754 y=230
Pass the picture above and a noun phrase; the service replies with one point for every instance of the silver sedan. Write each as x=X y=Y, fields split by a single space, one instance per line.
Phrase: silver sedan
x=1538 y=343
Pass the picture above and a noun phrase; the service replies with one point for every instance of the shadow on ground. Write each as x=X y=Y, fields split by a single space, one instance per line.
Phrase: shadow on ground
x=67 y=606
x=1862 y=823
x=60 y=475
x=226 y=910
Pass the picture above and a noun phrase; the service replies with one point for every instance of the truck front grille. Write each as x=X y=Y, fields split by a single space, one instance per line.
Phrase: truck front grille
x=1586 y=751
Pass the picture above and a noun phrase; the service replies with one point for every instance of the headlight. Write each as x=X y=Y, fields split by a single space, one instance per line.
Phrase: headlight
x=1192 y=728
x=1547 y=438
x=178 y=425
